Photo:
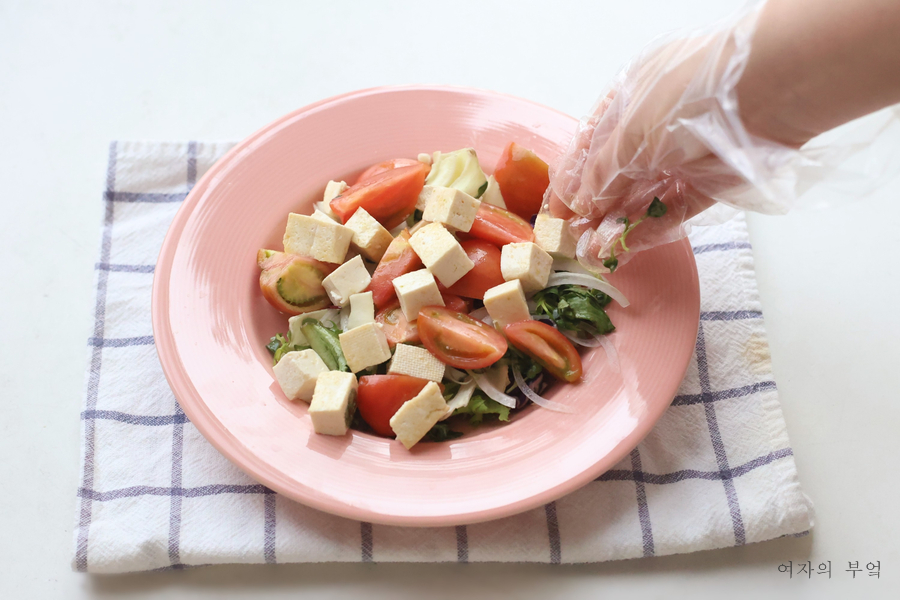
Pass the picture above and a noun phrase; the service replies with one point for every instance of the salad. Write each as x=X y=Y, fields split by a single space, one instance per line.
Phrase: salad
x=429 y=294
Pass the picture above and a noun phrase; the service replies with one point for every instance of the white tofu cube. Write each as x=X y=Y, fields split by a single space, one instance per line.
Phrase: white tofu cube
x=415 y=290
x=333 y=402
x=553 y=236
x=424 y=197
x=454 y=208
x=441 y=253
x=526 y=262
x=321 y=216
x=321 y=239
x=325 y=209
x=364 y=346
x=350 y=278
x=362 y=310
x=333 y=189
x=418 y=415
x=424 y=158
x=492 y=194
x=326 y=316
x=297 y=373
x=416 y=362
x=369 y=236
x=506 y=303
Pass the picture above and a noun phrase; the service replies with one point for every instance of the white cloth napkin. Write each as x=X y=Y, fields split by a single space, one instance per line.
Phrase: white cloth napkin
x=716 y=471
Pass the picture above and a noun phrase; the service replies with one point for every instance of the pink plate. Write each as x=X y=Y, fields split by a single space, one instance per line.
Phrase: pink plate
x=211 y=324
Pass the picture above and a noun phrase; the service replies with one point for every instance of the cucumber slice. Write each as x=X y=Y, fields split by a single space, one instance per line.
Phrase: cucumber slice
x=326 y=343
x=300 y=285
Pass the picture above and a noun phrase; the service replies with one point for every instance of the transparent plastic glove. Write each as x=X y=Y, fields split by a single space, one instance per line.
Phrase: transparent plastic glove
x=669 y=128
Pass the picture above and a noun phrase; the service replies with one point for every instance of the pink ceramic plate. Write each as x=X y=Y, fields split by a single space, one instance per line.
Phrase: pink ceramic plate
x=211 y=324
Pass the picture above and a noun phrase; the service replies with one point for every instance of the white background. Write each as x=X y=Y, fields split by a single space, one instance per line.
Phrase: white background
x=74 y=75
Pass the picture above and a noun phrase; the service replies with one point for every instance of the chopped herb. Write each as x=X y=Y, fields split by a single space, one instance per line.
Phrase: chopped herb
x=527 y=366
x=655 y=210
x=441 y=432
x=482 y=190
x=574 y=308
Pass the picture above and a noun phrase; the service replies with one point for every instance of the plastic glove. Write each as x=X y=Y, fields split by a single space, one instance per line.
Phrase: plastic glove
x=669 y=128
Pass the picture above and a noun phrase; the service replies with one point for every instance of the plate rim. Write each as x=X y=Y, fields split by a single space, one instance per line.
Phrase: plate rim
x=199 y=413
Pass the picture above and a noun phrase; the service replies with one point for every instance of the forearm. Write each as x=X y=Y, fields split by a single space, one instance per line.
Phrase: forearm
x=816 y=64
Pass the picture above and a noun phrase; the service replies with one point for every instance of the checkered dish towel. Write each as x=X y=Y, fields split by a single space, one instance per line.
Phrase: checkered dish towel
x=716 y=471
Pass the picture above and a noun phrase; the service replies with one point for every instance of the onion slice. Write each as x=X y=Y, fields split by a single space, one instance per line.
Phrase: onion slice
x=602 y=341
x=492 y=392
x=588 y=281
x=589 y=342
x=461 y=398
x=535 y=397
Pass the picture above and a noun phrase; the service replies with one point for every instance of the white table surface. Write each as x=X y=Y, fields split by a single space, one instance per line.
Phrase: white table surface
x=74 y=75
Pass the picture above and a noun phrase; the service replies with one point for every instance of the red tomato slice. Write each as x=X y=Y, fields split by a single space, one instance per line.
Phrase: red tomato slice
x=523 y=178
x=396 y=328
x=390 y=196
x=500 y=227
x=398 y=259
x=388 y=165
x=483 y=276
x=459 y=340
x=378 y=397
x=455 y=303
x=300 y=277
x=548 y=347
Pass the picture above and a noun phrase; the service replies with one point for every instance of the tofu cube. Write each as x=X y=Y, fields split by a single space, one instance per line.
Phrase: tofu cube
x=362 y=310
x=506 y=303
x=424 y=197
x=418 y=415
x=321 y=216
x=333 y=189
x=321 y=239
x=333 y=402
x=369 y=236
x=553 y=236
x=492 y=194
x=415 y=290
x=350 y=278
x=441 y=253
x=297 y=373
x=526 y=262
x=416 y=362
x=364 y=346
x=326 y=316
x=454 y=208
x=424 y=158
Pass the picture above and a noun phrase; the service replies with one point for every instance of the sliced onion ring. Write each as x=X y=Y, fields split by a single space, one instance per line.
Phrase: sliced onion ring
x=602 y=341
x=492 y=392
x=590 y=282
x=535 y=397
x=588 y=342
x=461 y=398
x=456 y=376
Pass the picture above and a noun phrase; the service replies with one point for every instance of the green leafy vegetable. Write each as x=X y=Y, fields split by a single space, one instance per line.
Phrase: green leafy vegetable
x=414 y=218
x=574 y=308
x=654 y=211
x=324 y=340
x=528 y=367
x=479 y=406
x=441 y=432
x=482 y=190
x=279 y=345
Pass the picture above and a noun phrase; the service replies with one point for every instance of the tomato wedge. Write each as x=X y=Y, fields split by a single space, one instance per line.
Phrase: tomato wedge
x=455 y=303
x=396 y=328
x=390 y=196
x=388 y=165
x=398 y=259
x=459 y=340
x=483 y=276
x=500 y=227
x=378 y=397
x=523 y=178
x=547 y=346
